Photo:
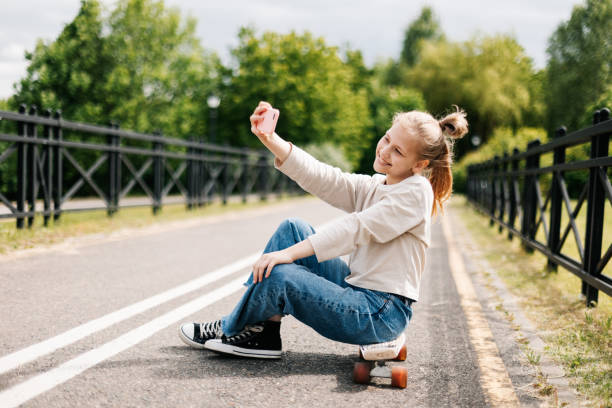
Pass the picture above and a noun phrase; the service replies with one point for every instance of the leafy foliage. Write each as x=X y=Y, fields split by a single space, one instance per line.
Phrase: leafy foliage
x=141 y=66
x=385 y=101
x=580 y=57
x=320 y=96
x=490 y=77
x=424 y=27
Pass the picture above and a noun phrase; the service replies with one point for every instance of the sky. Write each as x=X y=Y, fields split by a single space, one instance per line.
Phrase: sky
x=374 y=27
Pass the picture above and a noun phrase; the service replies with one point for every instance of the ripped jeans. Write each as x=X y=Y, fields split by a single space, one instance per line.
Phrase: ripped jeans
x=317 y=295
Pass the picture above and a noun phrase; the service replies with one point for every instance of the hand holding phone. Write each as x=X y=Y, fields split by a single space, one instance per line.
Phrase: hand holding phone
x=268 y=123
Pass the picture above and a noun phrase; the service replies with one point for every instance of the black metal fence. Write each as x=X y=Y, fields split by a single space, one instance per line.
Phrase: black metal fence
x=510 y=188
x=53 y=160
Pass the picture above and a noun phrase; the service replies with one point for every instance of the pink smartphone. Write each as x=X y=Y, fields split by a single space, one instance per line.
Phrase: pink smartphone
x=268 y=123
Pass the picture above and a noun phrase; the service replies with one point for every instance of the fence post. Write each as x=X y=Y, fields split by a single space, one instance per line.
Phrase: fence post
x=556 y=201
x=468 y=180
x=473 y=177
x=494 y=185
x=22 y=160
x=190 y=189
x=225 y=176
x=243 y=175
x=488 y=183
x=513 y=191
x=529 y=196
x=118 y=172
x=32 y=173
x=262 y=163
x=58 y=174
x=477 y=183
x=48 y=171
x=503 y=184
x=595 y=210
x=484 y=182
x=202 y=176
x=481 y=199
x=112 y=172
x=282 y=185
x=158 y=174
x=486 y=186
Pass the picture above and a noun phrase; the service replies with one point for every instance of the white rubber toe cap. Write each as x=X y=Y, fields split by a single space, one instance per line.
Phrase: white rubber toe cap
x=186 y=335
x=187 y=330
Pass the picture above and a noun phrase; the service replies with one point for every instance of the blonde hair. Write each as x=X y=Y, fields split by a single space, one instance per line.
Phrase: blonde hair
x=437 y=141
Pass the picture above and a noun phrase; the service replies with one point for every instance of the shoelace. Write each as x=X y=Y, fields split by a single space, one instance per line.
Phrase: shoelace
x=247 y=332
x=211 y=329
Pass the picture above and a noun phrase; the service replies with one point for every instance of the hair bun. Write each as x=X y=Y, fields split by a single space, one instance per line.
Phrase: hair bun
x=454 y=125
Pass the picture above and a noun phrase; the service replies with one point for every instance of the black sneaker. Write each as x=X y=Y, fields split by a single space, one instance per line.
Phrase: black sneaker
x=197 y=334
x=261 y=340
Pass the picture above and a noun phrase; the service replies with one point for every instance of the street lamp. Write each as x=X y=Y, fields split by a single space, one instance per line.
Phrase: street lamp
x=475 y=140
x=213 y=102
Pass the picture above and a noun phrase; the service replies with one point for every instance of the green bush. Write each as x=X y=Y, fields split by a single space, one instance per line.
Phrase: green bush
x=329 y=153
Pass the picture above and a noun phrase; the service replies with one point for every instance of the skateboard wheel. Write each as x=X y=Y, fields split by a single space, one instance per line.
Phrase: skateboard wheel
x=402 y=354
x=361 y=373
x=399 y=377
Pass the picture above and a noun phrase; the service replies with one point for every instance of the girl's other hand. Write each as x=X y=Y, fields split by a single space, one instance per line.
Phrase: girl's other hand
x=264 y=265
x=256 y=117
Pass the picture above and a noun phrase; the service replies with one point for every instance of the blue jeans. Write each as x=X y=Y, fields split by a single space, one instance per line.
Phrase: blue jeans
x=317 y=295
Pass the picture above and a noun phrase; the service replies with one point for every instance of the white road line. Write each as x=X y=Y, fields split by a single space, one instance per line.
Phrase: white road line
x=30 y=353
x=37 y=350
x=29 y=389
x=494 y=377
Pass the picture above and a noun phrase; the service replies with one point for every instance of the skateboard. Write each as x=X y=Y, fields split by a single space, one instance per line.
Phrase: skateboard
x=375 y=356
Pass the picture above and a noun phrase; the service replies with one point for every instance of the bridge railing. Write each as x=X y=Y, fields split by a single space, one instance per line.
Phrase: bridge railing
x=510 y=190
x=48 y=159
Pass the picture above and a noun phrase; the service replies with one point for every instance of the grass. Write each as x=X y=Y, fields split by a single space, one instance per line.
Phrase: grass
x=94 y=222
x=577 y=337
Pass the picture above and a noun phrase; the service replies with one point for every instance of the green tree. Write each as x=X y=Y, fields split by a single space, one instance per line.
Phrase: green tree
x=424 y=27
x=142 y=65
x=320 y=96
x=604 y=101
x=139 y=64
x=162 y=75
x=68 y=73
x=579 y=61
x=491 y=77
x=385 y=101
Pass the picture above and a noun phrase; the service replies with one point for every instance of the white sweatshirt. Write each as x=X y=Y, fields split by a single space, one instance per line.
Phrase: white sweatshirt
x=388 y=228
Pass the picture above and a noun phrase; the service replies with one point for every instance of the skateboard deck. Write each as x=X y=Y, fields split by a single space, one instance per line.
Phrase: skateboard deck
x=375 y=356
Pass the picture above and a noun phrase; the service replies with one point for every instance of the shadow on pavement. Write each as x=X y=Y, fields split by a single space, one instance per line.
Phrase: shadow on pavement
x=204 y=364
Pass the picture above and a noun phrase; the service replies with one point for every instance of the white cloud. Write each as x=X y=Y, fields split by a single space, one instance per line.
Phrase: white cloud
x=11 y=52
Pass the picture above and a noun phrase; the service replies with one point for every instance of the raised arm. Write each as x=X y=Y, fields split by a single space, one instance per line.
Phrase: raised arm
x=329 y=183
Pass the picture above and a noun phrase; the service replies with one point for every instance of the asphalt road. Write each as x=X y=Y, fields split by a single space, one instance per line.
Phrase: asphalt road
x=49 y=292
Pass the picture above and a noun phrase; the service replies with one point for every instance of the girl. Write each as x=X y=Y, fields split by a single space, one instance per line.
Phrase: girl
x=386 y=232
